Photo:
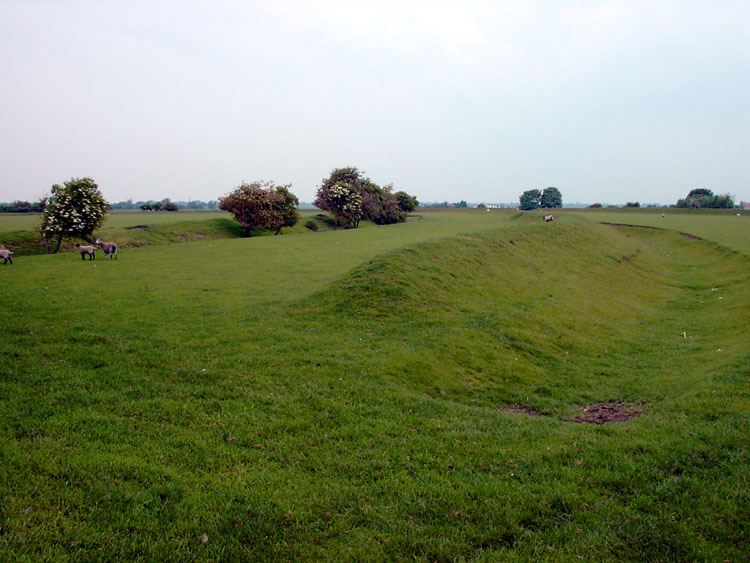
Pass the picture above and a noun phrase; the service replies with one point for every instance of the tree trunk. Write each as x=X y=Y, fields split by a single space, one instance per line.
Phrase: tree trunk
x=59 y=242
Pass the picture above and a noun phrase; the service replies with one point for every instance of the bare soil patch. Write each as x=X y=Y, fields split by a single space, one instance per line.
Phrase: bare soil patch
x=189 y=235
x=632 y=226
x=691 y=237
x=612 y=411
x=139 y=228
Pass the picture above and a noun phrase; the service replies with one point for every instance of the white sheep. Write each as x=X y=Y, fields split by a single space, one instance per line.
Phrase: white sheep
x=6 y=254
x=109 y=248
x=84 y=250
x=548 y=218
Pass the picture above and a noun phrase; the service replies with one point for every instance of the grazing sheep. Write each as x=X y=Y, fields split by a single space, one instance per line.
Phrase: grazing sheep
x=84 y=250
x=109 y=248
x=6 y=254
x=548 y=218
x=662 y=214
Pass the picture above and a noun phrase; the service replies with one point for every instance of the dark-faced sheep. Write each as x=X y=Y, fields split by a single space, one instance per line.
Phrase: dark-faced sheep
x=548 y=218
x=109 y=248
x=84 y=250
x=6 y=255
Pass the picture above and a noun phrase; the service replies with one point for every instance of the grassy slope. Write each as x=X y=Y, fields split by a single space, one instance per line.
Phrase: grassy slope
x=254 y=391
x=719 y=225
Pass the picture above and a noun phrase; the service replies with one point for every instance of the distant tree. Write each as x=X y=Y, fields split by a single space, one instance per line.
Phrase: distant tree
x=705 y=198
x=481 y=206
x=213 y=204
x=406 y=202
x=530 y=199
x=169 y=205
x=462 y=204
x=74 y=209
x=595 y=205
x=551 y=197
x=261 y=205
x=632 y=204
x=128 y=204
x=350 y=196
x=146 y=207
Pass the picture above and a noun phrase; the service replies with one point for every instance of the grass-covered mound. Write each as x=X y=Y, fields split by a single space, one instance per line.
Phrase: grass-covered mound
x=425 y=404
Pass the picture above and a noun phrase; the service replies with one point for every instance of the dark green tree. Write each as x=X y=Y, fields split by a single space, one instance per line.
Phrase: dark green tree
x=704 y=198
x=406 y=202
x=287 y=206
x=530 y=199
x=551 y=197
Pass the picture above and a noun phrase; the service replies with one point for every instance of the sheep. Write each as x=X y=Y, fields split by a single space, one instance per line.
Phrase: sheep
x=109 y=248
x=6 y=254
x=548 y=218
x=84 y=250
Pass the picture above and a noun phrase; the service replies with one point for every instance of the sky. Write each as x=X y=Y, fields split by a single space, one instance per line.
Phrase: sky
x=474 y=100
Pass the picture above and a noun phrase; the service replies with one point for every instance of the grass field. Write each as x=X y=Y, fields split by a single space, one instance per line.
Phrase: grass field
x=385 y=393
x=722 y=226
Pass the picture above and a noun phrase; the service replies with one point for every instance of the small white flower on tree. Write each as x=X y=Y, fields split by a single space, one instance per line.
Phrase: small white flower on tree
x=74 y=209
x=345 y=204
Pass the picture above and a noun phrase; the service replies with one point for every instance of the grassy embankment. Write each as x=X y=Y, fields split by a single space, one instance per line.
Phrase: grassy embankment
x=339 y=396
x=718 y=225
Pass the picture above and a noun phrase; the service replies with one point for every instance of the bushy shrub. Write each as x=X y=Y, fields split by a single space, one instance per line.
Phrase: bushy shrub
x=262 y=205
x=350 y=197
x=312 y=225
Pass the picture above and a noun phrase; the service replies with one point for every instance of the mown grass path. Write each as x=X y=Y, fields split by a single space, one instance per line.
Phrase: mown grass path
x=339 y=396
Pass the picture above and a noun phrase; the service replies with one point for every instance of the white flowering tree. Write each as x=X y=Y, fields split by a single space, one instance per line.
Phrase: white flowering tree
x=346 y=204
x=74 y=209
x=343 y=201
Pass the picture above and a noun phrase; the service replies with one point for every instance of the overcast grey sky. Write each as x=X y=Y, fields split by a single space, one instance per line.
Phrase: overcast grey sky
x=608 y=101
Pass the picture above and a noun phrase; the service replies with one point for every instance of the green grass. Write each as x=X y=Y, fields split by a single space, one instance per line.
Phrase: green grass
x=337 y=396
x=719 y=225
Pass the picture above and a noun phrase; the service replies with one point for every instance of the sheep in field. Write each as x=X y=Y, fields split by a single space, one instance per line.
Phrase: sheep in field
x=109 y=248
x=84 y=250
x=548 y=218
x=6 y=254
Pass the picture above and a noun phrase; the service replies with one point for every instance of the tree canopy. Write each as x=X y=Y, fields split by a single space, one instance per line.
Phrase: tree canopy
x=551 y=197
x=534 y=199
x=530 y=199
x=406 y=202
x=350 y=196
x=705 y=198
x=262 y=205
x=74 y=209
